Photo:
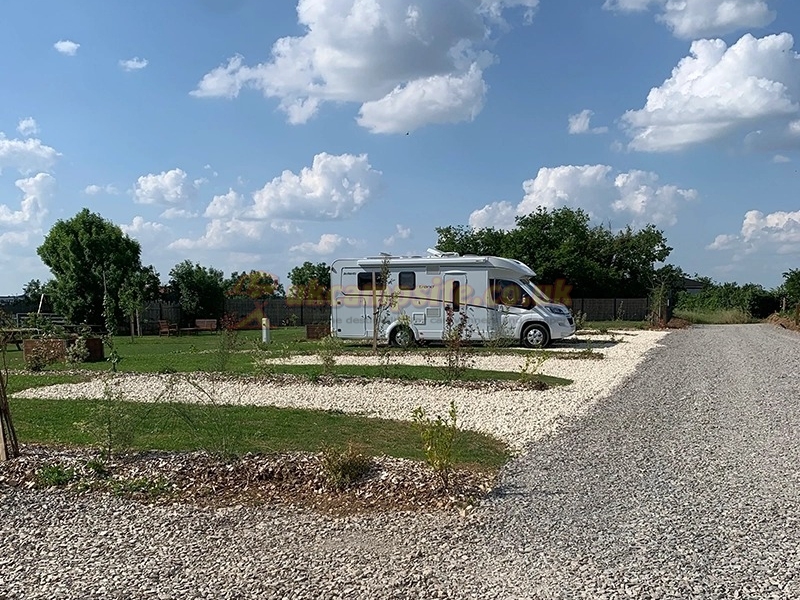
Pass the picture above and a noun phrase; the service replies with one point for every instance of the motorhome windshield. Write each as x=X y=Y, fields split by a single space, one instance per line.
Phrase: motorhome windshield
x=531 y=288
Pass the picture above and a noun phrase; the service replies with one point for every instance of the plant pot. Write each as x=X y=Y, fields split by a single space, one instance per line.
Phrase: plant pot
x=318 y=331
x=54 y=349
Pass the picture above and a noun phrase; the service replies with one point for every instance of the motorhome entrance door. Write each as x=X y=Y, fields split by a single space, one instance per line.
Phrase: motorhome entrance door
x=455 y=297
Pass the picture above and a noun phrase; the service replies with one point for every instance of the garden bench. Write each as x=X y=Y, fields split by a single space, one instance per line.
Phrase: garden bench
x=167 y=328
x=206 y=324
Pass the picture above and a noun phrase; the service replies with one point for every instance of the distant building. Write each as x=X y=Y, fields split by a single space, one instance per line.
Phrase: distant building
x=691 y=286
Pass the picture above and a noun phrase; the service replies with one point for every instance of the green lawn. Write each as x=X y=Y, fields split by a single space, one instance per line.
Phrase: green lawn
x=237 y=429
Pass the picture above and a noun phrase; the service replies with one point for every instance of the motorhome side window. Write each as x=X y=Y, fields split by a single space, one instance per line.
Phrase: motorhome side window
x=510 y=293
x=407 y=280
x=365 y=281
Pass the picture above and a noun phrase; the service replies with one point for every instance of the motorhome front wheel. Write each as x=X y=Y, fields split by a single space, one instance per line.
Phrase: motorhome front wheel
x=535 y=336
x=402 y=337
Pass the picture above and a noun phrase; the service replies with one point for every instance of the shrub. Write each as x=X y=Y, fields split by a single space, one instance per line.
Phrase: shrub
x=328 y=349
x=342 y=468
x=77 y=352
x=457 y=335
x=54 y=476
x=438 y=437
x=533 y=362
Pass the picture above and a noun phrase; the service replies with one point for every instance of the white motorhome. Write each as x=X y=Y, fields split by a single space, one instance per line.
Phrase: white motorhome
x=496 y=296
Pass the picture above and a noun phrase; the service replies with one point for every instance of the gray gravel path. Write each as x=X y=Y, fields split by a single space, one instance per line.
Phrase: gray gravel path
x=684 y=484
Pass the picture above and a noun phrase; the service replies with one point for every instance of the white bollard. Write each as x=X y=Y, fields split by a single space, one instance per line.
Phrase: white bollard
x=265 y=330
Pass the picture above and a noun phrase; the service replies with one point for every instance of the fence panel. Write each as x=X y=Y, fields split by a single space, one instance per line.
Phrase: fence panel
x=610 y=309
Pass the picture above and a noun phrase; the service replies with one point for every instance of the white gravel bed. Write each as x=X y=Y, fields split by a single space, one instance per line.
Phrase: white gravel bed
x=516 y=416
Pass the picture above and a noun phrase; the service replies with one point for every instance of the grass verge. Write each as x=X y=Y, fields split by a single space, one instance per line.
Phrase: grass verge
x=180 y=427
x=715 y=317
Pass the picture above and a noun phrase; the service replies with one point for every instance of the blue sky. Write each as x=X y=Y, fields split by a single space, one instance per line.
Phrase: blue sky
x=244 y=134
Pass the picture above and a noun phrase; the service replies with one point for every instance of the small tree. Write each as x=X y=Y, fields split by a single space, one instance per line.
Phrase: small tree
x=140 y=287
x=310 y=282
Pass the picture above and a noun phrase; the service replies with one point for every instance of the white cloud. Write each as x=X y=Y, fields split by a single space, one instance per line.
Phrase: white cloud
x=225 y=205
x=500 y=215
x=178 y=213
x=94 y=190
x=26 y=156
x=328 y=244
x=133 y=64
x=636 y=197
x=28 y=126
x=144 y=230
x=780 y=158
x=717 y=91
x=691 y=19
x=222 y=234
x=401 y=233
x=333 y=187
x=405 y=62
x=37 y=192
x=66 y=47
x=168 y=188
x=495 y=8
x=773 y=233
x=435 y=99
x=579 y=123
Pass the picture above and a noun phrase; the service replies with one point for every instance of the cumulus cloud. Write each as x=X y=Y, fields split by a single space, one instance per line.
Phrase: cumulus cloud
x=719 y=90
x=334 y=187
x=94 y=190
x=636 y=197
x=773 y=233
x=168 y=188
x=691 y=19
x=436 y=99
x=406 y=63
x=579 y=123
x=28 y=126
x=401 y=233
x=26 y=156
x=67 y=47
x=328 y=244
x=224 y=234
x=225 y=205
x=37 y=192
x=500 y=215
x=144 y=230
x=133 y=64
x=780 y=158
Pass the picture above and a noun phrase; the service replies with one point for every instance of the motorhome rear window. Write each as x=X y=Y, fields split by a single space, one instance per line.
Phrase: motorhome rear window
x=365 y=281
x=407 y=280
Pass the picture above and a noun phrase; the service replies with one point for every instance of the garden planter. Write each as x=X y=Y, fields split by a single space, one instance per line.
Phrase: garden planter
x=318 y=331
x=55 y=349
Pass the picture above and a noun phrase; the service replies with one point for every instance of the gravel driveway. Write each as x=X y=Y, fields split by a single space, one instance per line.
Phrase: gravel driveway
x=685 y=483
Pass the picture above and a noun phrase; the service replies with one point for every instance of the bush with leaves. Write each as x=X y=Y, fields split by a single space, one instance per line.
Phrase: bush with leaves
x=328 y=349
x=342 y=468
x=438 y=438
x=110 y=423
x=457 y=336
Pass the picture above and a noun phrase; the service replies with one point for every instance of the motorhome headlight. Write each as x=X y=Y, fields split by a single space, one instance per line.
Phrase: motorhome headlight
x=557 y=310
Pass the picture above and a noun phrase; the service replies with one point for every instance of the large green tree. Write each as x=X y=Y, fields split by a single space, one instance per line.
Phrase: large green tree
x=310 y=282
x=199 y=290
x=256 y=285
x=561 y=244
x=87 y=255
x=791 y=287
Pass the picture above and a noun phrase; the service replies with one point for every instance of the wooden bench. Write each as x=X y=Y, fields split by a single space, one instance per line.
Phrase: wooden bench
x=167 y=328
x=206 y=324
